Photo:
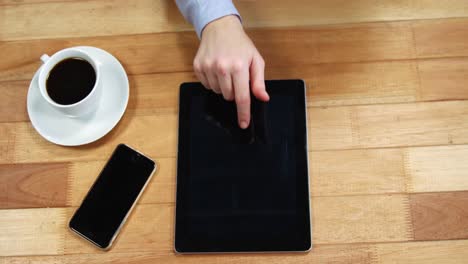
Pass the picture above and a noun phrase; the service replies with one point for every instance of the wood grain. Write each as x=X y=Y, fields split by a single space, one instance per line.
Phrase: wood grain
x=174 y=52
x=421 y=124
x=342 y=84
x=150 y=94
x=153 y=135
x=358 y=172
x=438 y=216
x=387 y=109
x=412 y=124
x=331 y=127
x=443 y=79
x=33 y=185
x=354 y=172
x=167 y=52
x=335 y=43
x=360 y=83
x=319 y=254
x=32 y=231
x=450 y=252
x=150 y=228
x=392 y=125
x=441 y=38
x=354 y=219
x=361 y=219
x=7 y=142
x=329 y=85
x=147 y=16
x=437 y=169
x=333 y=84
x=89 y=18
x=13 y=106
x=447 y=252
x=279 y=13
x=25 y=2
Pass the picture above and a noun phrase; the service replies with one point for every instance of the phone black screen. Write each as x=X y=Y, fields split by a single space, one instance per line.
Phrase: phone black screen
x=242 y=190
x=112 y=196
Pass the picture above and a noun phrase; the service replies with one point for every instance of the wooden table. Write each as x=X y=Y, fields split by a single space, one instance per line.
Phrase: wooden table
x=388 y=125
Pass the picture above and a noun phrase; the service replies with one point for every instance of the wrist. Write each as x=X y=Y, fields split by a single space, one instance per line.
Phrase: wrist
x=223 y=23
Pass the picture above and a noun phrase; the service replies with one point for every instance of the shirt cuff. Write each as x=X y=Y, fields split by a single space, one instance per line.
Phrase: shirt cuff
x=210 y=12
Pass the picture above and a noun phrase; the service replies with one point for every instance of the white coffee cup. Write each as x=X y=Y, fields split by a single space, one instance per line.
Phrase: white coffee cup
x=87 y=104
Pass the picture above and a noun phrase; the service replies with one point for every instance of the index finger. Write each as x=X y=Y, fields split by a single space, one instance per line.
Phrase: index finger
x=240 y=80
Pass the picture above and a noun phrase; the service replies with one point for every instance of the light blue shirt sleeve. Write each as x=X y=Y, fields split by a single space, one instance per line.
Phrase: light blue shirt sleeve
x=201 y=12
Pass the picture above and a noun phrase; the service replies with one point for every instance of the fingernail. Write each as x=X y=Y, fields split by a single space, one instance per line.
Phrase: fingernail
x=243 y=124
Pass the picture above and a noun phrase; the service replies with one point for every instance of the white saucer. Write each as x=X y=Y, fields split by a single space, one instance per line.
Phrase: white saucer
x=68 y=131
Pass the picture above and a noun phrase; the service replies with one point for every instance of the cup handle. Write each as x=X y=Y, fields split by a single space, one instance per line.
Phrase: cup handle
x=45 y=58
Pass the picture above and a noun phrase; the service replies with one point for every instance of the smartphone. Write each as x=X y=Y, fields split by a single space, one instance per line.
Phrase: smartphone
x=112 y=197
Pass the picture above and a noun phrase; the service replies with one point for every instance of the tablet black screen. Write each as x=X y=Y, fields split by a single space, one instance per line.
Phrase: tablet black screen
x=242 y=190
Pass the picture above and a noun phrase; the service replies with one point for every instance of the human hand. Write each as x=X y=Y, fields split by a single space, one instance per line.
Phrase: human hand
x=226 y=60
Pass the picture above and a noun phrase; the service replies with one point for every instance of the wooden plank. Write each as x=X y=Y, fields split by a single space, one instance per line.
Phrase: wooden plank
x=149 y=16
x=436 y=169
x=359 y=216
x=150 y=229
x=373 y=126
x=382 y=82
x=351 y=219
x=32 y=231
x=168 y=52
x=331 y=84
x=328 y=85
x=359 y=172
x=89 y=18
x=161 y=189
x=319 y=254
x=33 y=185
x=335 y=43
x=302 y=12
x=171 y=52
x=443 y=79
x=393 y=125
x=157 y=93
x=7 y=142
x=412 y=124
x=26 y=2
x=438 y=216
x=153 y=135
x=361 y=83
x=331 y=127
x=441 y=38
x=354 y=172
x=447 y=252
x=149 y=94
x=14 y=103
x=450 y=252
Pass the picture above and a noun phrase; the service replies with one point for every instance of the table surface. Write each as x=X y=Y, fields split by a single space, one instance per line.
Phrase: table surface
x=388 y=125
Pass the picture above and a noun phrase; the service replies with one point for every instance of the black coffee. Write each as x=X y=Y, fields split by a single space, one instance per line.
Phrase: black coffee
x=70 y=81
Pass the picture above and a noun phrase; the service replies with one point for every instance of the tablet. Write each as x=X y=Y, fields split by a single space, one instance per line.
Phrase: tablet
x=242 y=190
